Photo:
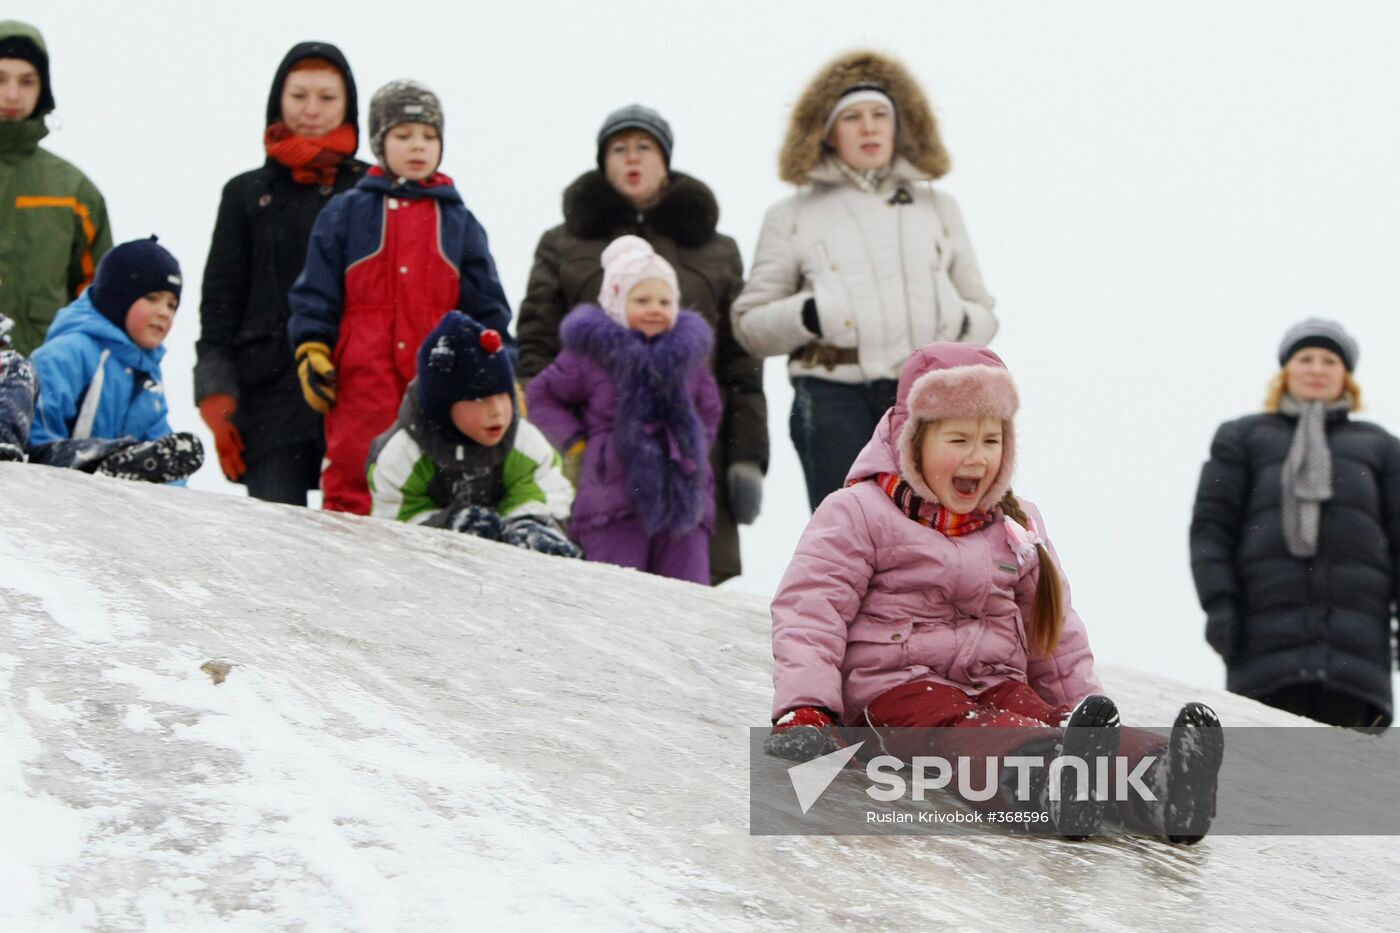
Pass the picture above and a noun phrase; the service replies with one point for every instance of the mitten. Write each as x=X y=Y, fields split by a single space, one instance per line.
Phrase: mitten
x=481 y=521
x=163 y=460
x=317 y=375
x=745 y=490
x=529 y=532
x=1221 y=633
x=217 y=412
x=803 y=734
x=573 y=460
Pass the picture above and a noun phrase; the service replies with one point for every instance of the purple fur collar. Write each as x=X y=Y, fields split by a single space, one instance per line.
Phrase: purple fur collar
x=658 y=432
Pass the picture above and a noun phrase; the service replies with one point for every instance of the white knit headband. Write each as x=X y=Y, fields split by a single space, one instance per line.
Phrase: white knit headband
x=859 y=96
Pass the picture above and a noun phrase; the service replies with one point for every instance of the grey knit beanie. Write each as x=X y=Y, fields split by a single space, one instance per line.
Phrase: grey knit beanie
x=1317 y=332
x=636 y=117
x=401 y=102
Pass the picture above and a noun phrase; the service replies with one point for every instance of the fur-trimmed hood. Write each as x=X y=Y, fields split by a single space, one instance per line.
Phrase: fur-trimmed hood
x=659 y=433
x=687 y=212
x=916 y=138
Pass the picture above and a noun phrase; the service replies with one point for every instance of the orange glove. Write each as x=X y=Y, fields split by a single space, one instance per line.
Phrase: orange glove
x=317 y=375
x=217 y=412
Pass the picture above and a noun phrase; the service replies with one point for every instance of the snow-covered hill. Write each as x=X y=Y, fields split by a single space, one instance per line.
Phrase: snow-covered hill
x=423 y=731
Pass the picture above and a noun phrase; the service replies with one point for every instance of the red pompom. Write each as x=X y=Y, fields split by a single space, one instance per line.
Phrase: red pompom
x=490 y=341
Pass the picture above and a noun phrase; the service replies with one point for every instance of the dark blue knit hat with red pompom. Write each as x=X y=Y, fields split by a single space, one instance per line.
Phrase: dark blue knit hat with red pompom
x=461 y=360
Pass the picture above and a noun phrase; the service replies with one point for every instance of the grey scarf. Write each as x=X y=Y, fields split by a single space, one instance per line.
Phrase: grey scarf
x=1307 y=472
x=867 y=180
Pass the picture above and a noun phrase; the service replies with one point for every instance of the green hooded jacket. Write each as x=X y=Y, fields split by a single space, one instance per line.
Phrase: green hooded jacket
x=53 y=221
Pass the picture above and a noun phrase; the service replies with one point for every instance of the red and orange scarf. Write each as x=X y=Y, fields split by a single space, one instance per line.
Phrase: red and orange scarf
x=312 y=161
x=926 y=513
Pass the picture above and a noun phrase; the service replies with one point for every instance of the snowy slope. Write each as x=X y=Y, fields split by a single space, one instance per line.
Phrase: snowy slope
x=425 y=731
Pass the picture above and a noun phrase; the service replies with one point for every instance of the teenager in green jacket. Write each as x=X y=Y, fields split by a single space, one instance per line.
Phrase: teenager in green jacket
x=53 y=221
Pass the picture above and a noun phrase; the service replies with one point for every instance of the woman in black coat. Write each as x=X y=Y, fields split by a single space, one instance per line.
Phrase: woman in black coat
x=1295 y=541
x=246 y=386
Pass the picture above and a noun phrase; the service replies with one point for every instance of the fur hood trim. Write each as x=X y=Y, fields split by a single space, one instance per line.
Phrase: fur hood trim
x=687 y=212
x=917 y=138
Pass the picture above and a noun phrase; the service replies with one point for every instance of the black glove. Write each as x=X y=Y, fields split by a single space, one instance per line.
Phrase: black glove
x=545 y=537
x=163 y=460
x=745 y=490
x=1222 y=632
x=478 y=520
x=809 y=317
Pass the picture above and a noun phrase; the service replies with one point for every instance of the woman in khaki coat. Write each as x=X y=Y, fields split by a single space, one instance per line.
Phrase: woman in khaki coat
x=864 y=264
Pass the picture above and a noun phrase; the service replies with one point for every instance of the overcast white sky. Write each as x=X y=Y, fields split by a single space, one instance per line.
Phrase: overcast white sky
x=1155 y=190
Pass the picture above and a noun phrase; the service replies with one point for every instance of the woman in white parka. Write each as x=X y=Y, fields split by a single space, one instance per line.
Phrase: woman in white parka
x=864 y=264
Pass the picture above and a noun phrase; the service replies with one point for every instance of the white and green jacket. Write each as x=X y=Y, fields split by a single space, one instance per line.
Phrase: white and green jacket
x=418 y=475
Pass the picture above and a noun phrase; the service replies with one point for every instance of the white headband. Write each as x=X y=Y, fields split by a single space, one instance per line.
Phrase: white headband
x=859 y=96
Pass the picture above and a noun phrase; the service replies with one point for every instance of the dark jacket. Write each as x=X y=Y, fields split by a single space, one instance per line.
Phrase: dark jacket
x=1279 y=620
x=568 y=272
x=258 y=250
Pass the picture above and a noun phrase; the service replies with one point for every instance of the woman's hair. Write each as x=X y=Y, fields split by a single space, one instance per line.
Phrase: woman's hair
x=1278 y=388
x=1048 y=610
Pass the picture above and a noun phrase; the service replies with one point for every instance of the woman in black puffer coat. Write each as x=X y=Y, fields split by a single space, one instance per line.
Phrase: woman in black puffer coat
x=1295 y=541
x=246 y=387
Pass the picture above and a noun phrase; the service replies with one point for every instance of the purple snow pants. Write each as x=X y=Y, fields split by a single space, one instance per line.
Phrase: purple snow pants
x=626 y=544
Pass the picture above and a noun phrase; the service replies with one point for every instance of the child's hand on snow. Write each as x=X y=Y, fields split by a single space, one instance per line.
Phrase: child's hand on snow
x=529 y=532
x=480 y=521
x=803 y=734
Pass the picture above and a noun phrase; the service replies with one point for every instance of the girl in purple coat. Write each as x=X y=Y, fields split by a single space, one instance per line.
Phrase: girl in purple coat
x=924 y=594
x=632 y=392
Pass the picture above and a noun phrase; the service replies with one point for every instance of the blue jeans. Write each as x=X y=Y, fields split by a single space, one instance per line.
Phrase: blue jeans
x=831 y=422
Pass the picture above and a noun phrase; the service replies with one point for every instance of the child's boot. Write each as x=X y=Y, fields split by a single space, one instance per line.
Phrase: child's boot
x=1091 y=733
x=1193 y=765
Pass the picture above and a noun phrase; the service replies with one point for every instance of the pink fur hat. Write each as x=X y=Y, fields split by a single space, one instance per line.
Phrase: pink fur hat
x=627 y=261
x=954 y=380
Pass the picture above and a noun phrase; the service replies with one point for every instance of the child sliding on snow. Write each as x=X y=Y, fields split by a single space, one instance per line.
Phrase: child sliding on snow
x=459 y=458
x=923 y=595
x=633 y=391
x=101 y=405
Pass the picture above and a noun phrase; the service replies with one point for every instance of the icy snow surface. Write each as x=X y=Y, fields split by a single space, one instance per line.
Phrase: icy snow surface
x=422 y=731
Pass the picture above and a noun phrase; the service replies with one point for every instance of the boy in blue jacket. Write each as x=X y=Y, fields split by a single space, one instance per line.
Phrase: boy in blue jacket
x=101 y=405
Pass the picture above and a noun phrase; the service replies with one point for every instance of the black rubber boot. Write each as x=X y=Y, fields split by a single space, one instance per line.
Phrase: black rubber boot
x=1193 y=766
x=1091 y=733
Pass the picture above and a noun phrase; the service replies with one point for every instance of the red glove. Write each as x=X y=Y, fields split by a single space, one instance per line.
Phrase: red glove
x=217 y=412
x=803 y=734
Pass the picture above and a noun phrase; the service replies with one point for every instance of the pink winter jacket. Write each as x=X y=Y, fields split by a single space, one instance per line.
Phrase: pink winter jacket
x=873 y=599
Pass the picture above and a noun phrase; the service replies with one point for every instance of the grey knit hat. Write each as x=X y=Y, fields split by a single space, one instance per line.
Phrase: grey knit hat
x=636 y=117
x=401 y=102
x=1317 y=332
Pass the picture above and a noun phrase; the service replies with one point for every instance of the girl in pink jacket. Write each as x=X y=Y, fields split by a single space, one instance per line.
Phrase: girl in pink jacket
x=923 y=594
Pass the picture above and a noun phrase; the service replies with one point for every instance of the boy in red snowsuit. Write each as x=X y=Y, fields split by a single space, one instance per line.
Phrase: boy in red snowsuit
x=387 y=259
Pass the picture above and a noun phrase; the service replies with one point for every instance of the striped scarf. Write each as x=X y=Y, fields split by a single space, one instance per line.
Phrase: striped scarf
x=926 y=513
